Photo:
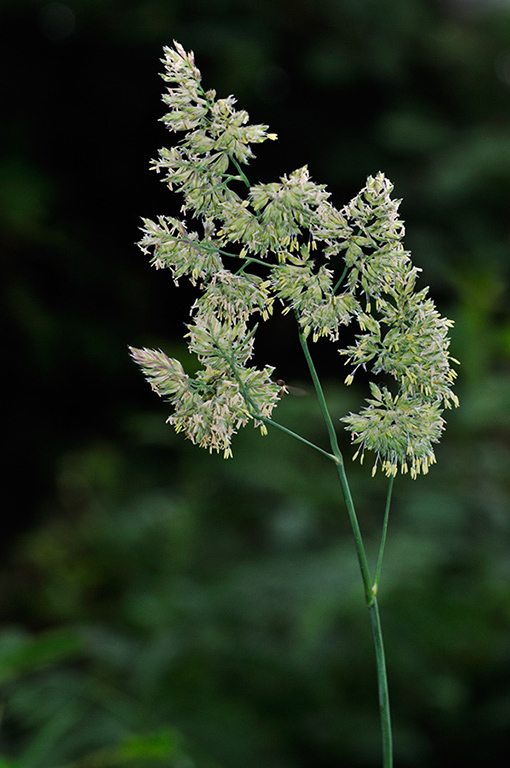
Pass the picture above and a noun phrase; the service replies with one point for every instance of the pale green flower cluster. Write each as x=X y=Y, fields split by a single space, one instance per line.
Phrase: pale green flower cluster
x=291 y=233
x=223 y=396
x=402 y=335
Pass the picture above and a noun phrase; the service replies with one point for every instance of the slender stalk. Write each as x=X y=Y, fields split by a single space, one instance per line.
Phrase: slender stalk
x=298 y=437
x=382 y=678
x=213 y=248
x=383 y=536
x=369 y=589
x=240 y=171
x=340 y=280
x=358 y=540
x=320 y=396
x=264 y=419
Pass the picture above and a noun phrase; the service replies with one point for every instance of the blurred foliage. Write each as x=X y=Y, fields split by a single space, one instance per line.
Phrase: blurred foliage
x=161 y=606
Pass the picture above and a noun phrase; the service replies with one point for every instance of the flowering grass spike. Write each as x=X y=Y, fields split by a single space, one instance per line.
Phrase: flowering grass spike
x=325 y=265
x=248 y=247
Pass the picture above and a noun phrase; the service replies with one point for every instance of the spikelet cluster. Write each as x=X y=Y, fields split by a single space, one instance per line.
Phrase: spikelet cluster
x=293 y=236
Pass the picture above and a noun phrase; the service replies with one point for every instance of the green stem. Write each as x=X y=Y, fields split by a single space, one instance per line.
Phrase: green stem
x=360 y=549
x=240 y=171
x=320 y=396
x=382 y=678
x=214 y=249
x=340 y=280
x=369 y=589
x=358 y=540
x=295 y=434
x=384 y=532
x=258 y=416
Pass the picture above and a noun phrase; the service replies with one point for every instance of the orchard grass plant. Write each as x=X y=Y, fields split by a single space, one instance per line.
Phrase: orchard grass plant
x=249 y=248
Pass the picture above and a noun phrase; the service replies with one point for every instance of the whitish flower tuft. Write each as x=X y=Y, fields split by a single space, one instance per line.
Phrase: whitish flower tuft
x=399 y=430
x=246 y=246
x=165 y=375
x=402 y=335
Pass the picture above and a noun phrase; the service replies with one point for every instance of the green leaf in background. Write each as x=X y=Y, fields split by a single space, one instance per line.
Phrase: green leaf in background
x=163 y=748
x=21 y=653
x=5 y=763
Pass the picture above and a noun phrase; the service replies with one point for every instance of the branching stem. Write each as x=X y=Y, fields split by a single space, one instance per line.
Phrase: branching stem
x=369 y=589
x=384 y=532
x=259 y=416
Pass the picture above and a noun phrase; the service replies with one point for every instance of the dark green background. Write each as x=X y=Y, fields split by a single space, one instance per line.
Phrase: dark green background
x=161 y=606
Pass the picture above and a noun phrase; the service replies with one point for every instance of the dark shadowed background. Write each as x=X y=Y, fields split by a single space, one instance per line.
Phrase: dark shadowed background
x=160 y=606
